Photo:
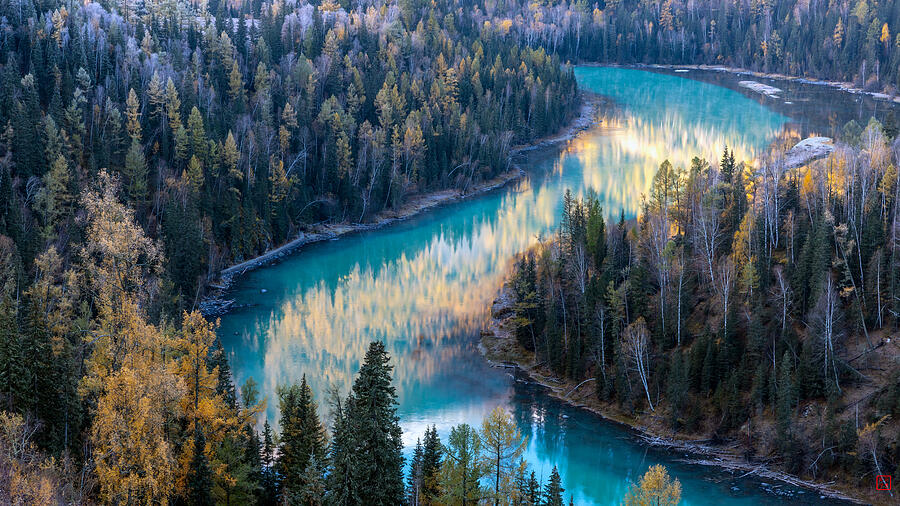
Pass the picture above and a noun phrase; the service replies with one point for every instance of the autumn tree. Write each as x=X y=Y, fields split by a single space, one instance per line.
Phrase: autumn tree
x=463 y=468
x=503 y=445
x=655 y=488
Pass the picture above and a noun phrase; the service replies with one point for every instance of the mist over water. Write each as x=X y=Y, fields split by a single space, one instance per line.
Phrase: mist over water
x=425 y=285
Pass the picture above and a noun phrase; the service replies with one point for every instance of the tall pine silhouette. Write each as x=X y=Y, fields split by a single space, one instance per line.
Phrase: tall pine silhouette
x=367 y=463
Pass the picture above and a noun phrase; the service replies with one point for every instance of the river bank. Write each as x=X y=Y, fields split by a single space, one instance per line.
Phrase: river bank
x=499 y=347
x=841 y=85
x=216 y=302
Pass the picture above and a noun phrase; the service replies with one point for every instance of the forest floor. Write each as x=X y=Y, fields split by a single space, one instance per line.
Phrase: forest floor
x=216 y=301
x=499 y=346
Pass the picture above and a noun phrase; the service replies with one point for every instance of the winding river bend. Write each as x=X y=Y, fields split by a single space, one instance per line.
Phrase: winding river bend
x=424 y=285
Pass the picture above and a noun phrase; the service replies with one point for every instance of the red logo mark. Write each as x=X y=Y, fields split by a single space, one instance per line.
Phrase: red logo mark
x=883 y=482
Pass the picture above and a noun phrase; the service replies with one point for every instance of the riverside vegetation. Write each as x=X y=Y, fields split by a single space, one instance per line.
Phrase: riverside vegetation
x=747 y=304
x=146 y=145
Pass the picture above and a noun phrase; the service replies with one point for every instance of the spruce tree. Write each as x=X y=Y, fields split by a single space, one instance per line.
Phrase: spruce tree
x=533 y=494
x=431 y=465
x=13 y=375
x=415 y=475
x=199 y=479
x=367 y=463
x=302 y=438
x=553 y=491
x=224 y=384
x=268 y=483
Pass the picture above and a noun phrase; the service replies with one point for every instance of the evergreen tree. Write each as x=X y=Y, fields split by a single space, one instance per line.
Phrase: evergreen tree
x=367 y=463
x=553 y=491
x=533 y=494
x=268 y=483
x=416 y=475
x=13 y=374
x=199 y=482
x=432 y=456
x=224 y=384
x=302 y=439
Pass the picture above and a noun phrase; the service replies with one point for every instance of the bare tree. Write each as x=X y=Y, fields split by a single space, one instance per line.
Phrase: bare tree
x=707 y=230
x=579 y=266
x=724 y=287
x=827 y=323
x=678 y=272
x=600 y=351
x=636 y=343
x=657 y=242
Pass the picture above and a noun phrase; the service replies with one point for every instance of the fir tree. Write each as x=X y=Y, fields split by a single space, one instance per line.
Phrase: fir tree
x=366 y=452
x=199 y=480
x=224 y=384
x=13 y=375
x=431 y=464
x=302 y=438
x=268 y=483
x=533 y=494
x=553 y=491
x=416 y=475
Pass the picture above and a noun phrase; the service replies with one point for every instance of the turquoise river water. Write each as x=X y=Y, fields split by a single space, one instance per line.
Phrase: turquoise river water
x=424 y=285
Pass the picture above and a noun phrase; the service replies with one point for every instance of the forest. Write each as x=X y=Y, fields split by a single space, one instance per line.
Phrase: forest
x=854 y=41
x=145 y=145
x=745 y=304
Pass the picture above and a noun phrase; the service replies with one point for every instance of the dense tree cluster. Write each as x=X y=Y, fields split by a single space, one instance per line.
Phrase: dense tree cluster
x=846 y=40
x=360 y=462
x=741 y=295
x=143 y=146
x=234 y=124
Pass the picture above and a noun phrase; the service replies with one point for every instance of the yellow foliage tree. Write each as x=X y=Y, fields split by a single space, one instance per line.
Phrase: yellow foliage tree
x=133 y=457
x=201 y=404
x=503 y=446
x=655 y=489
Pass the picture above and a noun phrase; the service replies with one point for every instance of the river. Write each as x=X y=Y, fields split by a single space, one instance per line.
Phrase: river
x=424 y=285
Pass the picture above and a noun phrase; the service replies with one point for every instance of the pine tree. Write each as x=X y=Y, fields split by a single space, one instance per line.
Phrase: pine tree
x=13 y=375
x=39 y=361
x=135 y=172
x=268 y=493
x=199 y=482
x=225 y=384
x=786 y=398
x=302 y=438
x=416 y=475
x=431 y=464
x=534 y=491
x=366 y=451
x=553 y=491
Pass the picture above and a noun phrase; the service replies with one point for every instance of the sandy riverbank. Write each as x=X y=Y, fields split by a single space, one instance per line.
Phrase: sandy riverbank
x=499 y=347
x=217 y=302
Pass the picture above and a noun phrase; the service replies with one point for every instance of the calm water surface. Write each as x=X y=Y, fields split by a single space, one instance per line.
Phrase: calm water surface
x=424 y=286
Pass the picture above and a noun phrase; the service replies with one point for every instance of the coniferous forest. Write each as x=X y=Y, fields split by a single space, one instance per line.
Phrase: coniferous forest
x=146 y=145
x=744 y=305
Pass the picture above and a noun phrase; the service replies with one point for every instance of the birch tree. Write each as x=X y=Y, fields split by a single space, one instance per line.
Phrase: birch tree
x=636 y=344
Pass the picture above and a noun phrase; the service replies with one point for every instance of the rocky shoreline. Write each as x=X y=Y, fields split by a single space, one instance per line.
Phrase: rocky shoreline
x=499 y=347
x=216 y=302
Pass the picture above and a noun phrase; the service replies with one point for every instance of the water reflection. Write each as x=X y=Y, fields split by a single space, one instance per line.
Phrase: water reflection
x=423 y=286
